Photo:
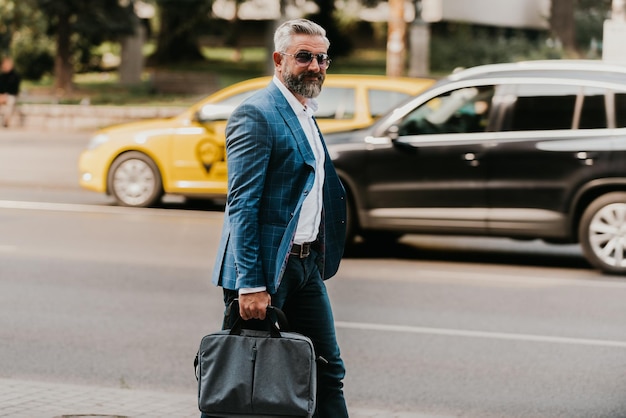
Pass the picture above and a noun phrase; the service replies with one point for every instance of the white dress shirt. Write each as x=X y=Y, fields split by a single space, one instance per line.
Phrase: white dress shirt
x=311 y=214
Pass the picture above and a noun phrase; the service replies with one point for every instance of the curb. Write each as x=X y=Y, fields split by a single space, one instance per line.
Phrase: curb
x=27 y=399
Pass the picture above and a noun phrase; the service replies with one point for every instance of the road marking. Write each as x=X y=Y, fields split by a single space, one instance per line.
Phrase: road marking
x=533 y=277
x=585 y=278
x=62 y=207
x=7 y=248
x=479 y=334
x=119 y=210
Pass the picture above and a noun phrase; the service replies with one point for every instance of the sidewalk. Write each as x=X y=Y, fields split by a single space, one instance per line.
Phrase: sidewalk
x=26 y=399
x=85 y=117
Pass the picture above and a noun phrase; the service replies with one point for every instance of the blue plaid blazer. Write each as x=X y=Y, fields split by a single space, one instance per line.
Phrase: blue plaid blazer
x=270 y=170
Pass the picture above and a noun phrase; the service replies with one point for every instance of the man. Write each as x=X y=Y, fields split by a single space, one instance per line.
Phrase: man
x=9 y=89
x=284 y=224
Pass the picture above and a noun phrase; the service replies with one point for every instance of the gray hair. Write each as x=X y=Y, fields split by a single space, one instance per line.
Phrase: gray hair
x=282 y=36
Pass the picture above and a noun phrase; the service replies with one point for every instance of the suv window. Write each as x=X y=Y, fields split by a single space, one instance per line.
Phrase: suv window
x=382 y=101
x=620 y=110
x=593 y=114
x=463 y=110
x=549 y=107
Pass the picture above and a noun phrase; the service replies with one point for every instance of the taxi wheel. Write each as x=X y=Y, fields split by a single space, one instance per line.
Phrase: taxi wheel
x=135 y=180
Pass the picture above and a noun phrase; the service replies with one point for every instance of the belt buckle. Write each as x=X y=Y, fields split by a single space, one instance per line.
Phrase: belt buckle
x=305 y=250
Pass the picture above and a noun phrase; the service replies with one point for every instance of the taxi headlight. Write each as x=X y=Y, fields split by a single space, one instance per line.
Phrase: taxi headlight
x=96 y=141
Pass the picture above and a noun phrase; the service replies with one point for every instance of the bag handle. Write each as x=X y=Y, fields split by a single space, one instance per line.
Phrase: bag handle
x=280 y=322
x=281 y=318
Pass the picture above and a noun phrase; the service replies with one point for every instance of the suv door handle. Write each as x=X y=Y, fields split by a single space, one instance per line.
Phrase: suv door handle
x=471 y=159
x=586 y=157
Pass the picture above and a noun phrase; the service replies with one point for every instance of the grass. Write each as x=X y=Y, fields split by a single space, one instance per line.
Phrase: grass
x=229 y=66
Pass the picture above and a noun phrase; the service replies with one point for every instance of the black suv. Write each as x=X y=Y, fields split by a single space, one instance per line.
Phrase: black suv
x=523 y=150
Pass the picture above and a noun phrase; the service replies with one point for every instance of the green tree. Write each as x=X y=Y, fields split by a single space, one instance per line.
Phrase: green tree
x=8 y=23
x=562 y=25
x=177 y=39
x=22 y=36
x=15 y=16
x=77 y=25
x=340 y=43
x=575 y=23
x=589 y=18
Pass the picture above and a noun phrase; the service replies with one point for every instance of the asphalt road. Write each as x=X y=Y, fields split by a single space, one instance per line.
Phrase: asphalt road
x=440 y=327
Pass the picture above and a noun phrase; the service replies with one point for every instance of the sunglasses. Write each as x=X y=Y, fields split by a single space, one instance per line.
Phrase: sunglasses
x=305 y=57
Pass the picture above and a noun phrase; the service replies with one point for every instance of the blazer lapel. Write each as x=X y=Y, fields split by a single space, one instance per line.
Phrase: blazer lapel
x=283 y=107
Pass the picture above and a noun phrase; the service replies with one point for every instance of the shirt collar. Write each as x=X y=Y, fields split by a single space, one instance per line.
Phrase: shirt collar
x=310 y=104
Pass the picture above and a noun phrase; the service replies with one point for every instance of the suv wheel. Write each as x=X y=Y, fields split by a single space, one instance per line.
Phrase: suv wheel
x=134 y=180
x=602 y=233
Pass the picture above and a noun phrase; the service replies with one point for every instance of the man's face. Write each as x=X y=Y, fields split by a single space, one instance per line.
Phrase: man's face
x=304 y=79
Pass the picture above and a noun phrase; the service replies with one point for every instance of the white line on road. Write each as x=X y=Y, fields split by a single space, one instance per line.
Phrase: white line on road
x=7 y=248
x=62 y=207
x=478 y=334
x=70 y=207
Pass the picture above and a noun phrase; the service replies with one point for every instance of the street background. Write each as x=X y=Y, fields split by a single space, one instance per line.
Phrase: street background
x=98 y=296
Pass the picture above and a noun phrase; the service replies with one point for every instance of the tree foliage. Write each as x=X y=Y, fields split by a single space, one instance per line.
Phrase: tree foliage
x=13 y=16
x=562 y=23
x=589 y=18
x=340 y=43
x=22 y=29
x=32 y=30
x=181 y=21
x=77 y=25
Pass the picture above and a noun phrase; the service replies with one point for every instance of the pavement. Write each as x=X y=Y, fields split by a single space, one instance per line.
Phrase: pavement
x=31 y=399
x=27 y=399
x=84 y=116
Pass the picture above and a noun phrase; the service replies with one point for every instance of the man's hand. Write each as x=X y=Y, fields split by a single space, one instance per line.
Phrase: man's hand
x=254 y=305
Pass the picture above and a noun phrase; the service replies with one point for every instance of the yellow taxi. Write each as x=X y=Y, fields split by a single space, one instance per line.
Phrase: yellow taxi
x=138 y=162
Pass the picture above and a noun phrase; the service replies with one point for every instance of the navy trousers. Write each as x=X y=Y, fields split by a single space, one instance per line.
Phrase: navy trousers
x=302 y=296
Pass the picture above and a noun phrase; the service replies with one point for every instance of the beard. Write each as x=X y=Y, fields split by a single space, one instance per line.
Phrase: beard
x=299 y=84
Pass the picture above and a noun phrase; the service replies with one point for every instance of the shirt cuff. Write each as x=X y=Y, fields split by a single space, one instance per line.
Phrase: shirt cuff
x=246 y=290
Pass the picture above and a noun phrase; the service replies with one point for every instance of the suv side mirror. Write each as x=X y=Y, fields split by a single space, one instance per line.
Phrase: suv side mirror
x=393 y=132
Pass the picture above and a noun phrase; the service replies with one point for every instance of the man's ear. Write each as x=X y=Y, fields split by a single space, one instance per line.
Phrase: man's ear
x=277 y=57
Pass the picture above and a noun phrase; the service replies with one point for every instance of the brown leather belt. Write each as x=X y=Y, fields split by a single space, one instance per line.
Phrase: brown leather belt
x=301 y=250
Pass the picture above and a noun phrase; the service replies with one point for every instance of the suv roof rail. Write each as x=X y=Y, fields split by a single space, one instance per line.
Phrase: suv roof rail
x=581 y=65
